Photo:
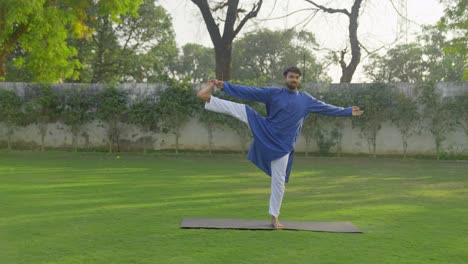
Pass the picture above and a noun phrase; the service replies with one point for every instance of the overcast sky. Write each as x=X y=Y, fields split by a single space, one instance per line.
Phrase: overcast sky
x=379 y=22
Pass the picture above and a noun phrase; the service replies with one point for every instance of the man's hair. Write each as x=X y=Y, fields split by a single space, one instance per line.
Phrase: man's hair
x=292 y=69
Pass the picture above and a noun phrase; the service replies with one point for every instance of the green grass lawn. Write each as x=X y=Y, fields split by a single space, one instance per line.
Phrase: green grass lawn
x=59 y=207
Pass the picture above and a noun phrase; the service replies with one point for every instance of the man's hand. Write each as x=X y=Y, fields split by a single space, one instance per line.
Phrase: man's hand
x=357 y=111
x=218 y=83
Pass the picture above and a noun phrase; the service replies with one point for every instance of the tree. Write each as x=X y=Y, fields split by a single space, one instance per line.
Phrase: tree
x=353 y=15
x=42 y=28
x=376 y=100
x=196 y=62
x=79 y=108
x=105 y=62
x=455 y=21
x=147 y=44
x=420 y=61
x=133 y=49
x=264 y=55
x=462 y=108
x=113 y=112
x=43 y=107
x=144 y=114
x=327 y=131
x=11 y=112
x=406 y=117
x=403 y=63
x=442 y=66
x=223 y=43
x=177 y=104
x=308 y=130
x=438 y=111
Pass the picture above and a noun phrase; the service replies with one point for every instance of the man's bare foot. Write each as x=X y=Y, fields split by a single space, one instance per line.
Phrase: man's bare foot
x=276 y=223
x=205 y=91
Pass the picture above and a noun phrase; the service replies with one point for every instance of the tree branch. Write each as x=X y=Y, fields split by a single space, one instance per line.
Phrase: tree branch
x=402 y=16
x=329 y=10
x=2 y=20
x=231 y=16
x=211 y=25
x=287 y=15
x=20 y=30
x=251 y=14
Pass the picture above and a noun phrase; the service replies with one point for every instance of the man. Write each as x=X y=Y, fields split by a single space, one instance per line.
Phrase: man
x=275 y=135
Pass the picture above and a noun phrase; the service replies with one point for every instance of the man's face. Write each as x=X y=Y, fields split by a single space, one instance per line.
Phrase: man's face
x=292 y=81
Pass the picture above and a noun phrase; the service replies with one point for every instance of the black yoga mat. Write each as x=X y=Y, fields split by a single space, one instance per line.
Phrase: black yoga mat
x=219 y=223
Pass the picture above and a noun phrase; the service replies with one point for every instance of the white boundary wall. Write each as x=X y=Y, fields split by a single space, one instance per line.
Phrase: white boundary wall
x=195 y=136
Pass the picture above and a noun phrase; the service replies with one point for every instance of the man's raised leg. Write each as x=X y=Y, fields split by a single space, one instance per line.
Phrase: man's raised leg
x=222 y=106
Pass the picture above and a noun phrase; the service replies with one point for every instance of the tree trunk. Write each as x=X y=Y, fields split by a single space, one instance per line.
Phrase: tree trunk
x=177 y=143
x=374 y=147
x=210 y=141
x=374 y=144
x=6 y=46
x=223 y=53
x=339 y=148
x=307 y=140
x=43 y=132
x=438 y=143
x=10 y=132
x=75 y=132
x=75 y=142
x=348 y=70
x=111 y=135
x=223 y=43
x=110 y=144
x=405 y=147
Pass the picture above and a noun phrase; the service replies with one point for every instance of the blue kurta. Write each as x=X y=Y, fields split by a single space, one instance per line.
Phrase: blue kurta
x=275 y=135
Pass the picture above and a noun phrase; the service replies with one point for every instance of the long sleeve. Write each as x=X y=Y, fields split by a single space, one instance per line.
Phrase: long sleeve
x=317 y=106
x=247 y=92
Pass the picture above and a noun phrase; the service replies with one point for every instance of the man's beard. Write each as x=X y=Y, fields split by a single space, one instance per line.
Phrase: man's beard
x=292 y=86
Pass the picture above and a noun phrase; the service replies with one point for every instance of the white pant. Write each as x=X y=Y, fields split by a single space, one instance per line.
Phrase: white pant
x=278 y=166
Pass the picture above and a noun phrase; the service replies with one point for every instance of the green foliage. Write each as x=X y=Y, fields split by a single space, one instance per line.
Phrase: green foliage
x=401 y=64
x=325 y=130
x=455 y=22
x=177 y=104
x=196 y=62
x=442 y=66
x=308 y=127
x=113 y=111
x=42 y=30
x=144 y=113
x=438 y=111
x=420 y=61
x=265 y=54
x=134 y=49
x=149 y=45
x=406 y=117
x=461 y=111
x=377 y=101
x=43 y=107
x=79 y=107
x=11 y=112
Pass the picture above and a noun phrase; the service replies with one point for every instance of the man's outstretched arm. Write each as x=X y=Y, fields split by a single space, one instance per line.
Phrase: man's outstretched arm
x=317 y=106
